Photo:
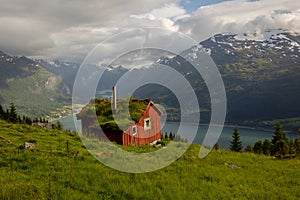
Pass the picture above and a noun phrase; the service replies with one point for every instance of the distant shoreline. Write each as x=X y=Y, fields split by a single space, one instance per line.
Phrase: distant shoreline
x=227 y=126
x=206 y=124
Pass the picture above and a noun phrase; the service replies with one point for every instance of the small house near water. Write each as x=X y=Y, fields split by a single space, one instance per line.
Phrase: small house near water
x=142 y=127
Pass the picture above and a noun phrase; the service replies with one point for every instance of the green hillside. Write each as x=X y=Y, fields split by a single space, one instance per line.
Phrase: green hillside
x=29 y=85
x=35 y=96
x=61 y=168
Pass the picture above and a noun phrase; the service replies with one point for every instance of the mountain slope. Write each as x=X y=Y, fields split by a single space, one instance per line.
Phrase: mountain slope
x=68 y=72
x=29 y=85
x=261 y=77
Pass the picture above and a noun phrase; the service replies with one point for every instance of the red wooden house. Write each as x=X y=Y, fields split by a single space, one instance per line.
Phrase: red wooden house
x=144 y=129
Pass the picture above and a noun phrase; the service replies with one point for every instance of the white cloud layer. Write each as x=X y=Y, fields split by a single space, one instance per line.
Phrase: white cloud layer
x=61 y=27
x=242 y=16
x=70 y=29
x=167 y=11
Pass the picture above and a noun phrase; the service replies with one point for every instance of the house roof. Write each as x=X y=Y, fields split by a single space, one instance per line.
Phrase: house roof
x=103 y=109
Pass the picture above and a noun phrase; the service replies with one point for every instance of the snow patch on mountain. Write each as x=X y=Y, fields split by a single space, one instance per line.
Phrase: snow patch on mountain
x=275 y=39
x=196 y=50
x=265 y=36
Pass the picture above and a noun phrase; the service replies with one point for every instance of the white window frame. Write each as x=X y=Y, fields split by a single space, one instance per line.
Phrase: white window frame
x=145 y=124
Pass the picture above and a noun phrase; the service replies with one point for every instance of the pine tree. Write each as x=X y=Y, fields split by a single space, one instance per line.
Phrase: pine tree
x=12 y=114
x=280 y=144
x=171 y=136
x=236 y=143
x=292 y=147
x=166 y=135
x=1 y=112
x=19 y=120
x=24 y=120
x=258 y=147
x=297 y=146
x=6 y=115
x=216 y=146
x=28 y=121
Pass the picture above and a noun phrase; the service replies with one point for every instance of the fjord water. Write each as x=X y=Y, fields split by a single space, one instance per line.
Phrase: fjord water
x=248 y=135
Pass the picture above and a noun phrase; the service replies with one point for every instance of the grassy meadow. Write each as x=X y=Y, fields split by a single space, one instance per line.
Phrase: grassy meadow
x=61 y=168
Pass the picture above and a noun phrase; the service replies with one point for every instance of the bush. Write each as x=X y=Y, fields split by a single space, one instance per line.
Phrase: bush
x=266 y=147
x=249 y=148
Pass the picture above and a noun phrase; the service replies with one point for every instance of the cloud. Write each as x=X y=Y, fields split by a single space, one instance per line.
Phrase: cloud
x=163 y=17
x=69 y=29
x=167 y=11
x=34 y=27
x=242 y=17
x=19 y=36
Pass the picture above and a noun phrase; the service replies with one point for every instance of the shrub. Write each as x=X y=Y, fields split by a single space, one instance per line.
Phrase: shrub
x=249 y=148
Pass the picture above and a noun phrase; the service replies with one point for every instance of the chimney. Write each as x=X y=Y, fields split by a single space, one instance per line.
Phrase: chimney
x=114 y=99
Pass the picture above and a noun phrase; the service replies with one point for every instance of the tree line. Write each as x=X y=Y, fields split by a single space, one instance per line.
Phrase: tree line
x=278 y=146
x=10 y=115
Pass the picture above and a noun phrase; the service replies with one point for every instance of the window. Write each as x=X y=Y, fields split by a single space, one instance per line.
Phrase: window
x=147 y=124
x=134 y=130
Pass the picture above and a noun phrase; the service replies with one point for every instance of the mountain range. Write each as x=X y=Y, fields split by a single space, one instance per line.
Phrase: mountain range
x=261 y=76
x=260 y=73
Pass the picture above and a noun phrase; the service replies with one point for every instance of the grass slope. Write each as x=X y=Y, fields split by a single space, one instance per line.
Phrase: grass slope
x=61 y=168
x=107 y=121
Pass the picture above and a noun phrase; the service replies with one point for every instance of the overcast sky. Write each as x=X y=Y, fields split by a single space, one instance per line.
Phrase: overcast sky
x=69 y=29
